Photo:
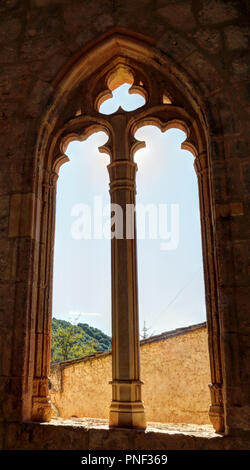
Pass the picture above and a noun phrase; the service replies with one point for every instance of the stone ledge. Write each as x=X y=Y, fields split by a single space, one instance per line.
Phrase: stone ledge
x=95 y=434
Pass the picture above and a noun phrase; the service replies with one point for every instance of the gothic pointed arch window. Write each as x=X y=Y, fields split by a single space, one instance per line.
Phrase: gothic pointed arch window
x=165 y=107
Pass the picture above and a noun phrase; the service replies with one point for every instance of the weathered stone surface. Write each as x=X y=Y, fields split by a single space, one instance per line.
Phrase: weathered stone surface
x=177 y=47
x=11 y=390
x=218 y=11
x=9 y=5
x=179 y=15
x=198 y=66
x=237 y=37
x=4 y=215
x=10 y=28
x=204 y=46
x=7 y=301
x=84 y=435
x=209 y=39
x=241 y=68
x=8 y=54
x=5 y=352
x=103 y=439
x=5 y=256
x=246 y=177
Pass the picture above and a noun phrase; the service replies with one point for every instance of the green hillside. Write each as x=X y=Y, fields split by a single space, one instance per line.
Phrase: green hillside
x=73 y=341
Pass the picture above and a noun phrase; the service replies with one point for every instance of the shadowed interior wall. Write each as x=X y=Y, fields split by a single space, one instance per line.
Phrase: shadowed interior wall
x=207 y=43
x=175 y=371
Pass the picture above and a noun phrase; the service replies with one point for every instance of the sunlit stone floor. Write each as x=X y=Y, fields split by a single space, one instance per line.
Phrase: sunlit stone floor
x=169 y=428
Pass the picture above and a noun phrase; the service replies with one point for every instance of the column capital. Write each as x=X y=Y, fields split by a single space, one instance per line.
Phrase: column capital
x=122 y=175
x=201 y=163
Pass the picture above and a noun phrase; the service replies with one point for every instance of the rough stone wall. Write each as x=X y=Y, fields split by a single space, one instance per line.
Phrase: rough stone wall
x=175 y=371
x=208 y=40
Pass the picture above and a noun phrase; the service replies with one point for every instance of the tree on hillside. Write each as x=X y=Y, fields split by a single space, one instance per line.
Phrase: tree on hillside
x=103 y=341
x=68 y=343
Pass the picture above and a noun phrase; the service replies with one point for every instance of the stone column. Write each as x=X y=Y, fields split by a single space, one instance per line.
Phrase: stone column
x=216 y=410
x=127 y=408
x=41 y=404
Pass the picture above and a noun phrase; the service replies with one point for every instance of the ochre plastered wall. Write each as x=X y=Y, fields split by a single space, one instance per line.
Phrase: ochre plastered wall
x=175 y=372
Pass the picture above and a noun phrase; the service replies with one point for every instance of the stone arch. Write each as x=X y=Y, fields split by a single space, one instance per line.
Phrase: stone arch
x=63 y=122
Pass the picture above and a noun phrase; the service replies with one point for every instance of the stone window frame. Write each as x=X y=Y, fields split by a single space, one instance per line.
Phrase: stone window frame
x=72 y=114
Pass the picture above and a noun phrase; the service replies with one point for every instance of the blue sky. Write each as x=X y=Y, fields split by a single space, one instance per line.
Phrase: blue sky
x=170 y=283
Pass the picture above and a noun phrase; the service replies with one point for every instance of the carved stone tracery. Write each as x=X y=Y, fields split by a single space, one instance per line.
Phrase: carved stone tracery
x=165 y=107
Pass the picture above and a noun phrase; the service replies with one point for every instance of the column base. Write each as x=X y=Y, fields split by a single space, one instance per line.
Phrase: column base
x=127 y=415
x=216 y=416
x=216 y=410
x=42 y=410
